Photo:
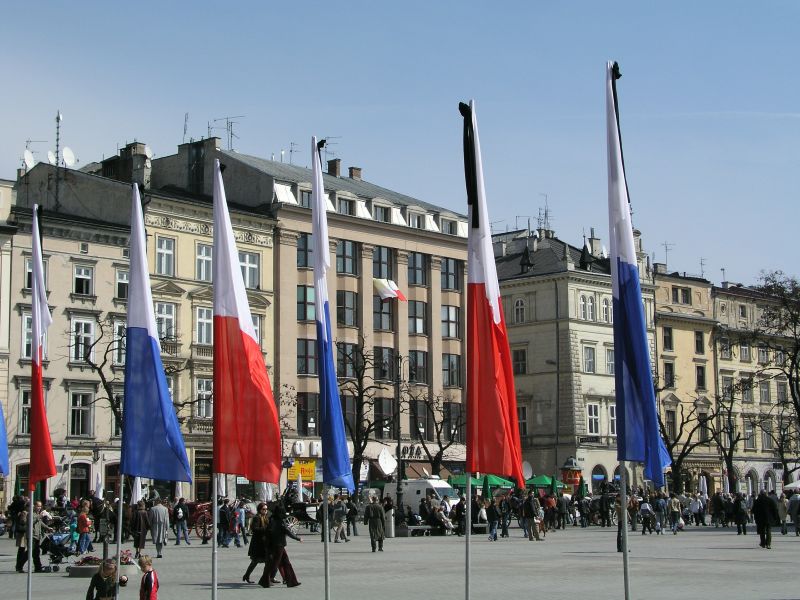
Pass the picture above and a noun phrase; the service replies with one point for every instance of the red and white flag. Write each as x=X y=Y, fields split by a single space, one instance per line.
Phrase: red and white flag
x=247 y=437
x=42 y=464
x=493 y=444
x=387 y=289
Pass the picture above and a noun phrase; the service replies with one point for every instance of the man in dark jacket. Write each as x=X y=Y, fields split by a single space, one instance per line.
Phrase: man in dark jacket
x=374 y=518
x=765 y=513
x=562 y=506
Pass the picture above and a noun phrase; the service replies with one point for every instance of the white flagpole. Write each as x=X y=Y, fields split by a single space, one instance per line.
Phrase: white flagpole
x=215 y=525
x=30 y=544
x=467 y=532
x=119 y=526
x=623 y=499
x=326 y=528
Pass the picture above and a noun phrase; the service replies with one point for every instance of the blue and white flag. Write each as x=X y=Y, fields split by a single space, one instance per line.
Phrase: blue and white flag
x=152 y=444
x=638 y=437
x=336 y=469
x=3 y=444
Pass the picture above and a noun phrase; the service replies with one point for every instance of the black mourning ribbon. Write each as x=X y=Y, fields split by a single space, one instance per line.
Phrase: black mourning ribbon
x=469 y=162
x=320 y=146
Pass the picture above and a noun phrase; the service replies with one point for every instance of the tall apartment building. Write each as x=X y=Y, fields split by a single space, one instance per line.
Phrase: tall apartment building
x=685 y=374
x=7 y=232
x=374 y=233
x=559 y=313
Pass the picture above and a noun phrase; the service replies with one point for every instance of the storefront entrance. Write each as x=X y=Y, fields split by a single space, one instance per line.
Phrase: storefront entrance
x=79 y=480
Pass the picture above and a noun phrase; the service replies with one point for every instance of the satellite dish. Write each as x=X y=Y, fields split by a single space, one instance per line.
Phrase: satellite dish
x=148 y=152
x=147 y=163
x=27 y=156
x=51 y=158
x=69 y=156
x=386 y=462
x=527 y=470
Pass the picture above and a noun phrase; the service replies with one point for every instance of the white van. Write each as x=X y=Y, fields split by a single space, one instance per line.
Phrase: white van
x=416 y=489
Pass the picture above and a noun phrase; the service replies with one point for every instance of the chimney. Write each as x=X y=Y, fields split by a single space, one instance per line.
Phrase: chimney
x=660 y=268
x=335 y=167
x=355 y=173
x=499 y=249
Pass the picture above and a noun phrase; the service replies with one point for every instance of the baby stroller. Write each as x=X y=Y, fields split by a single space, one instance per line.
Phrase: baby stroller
x=57 y=547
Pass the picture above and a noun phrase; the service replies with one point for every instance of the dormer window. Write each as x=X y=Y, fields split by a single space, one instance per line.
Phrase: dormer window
x=416 y=221
x=381 y=213
x=449 y=227
x=344 y=206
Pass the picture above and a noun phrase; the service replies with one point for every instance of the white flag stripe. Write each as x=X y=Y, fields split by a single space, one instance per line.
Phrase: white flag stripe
x=229 y=300
x=140 y=298
x=621 y=237
x=40 y=312
x=480 y=256
x=322 y=258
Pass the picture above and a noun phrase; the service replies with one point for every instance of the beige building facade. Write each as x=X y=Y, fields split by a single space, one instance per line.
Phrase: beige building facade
x=745 y=382
x=685 y=379
x=559 y=312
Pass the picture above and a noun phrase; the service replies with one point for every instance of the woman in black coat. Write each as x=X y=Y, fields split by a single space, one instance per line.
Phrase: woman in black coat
x=276 y=547
x=257 y=551
x=140 y=527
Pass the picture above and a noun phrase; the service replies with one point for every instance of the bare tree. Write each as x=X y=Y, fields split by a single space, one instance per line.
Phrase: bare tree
x=104 y=354
x=780 y=428
x=777 y=334
x=438 y=425
x=691 y=430
x=724 y=431
x=363 y=378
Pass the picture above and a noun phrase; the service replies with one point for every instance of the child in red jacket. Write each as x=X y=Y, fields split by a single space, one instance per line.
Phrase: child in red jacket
x=149 y=586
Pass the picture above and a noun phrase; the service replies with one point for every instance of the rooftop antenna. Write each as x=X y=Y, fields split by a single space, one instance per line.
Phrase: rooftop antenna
x=492 y=224
x=28 y=159
x=518 y=217
x=702 y=267
x=54 y=158
x=723 y=274
x=229 y=123
x=185 y=125
x=329 y=152
x=667 y=247
x=544 y=216
x=292 y=146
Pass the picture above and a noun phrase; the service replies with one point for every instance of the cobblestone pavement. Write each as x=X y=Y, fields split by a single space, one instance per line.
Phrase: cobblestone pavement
x=705 y=563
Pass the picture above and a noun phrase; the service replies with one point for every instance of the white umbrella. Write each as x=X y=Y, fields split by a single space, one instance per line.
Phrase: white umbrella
x=98 y=485
x=222 y=487
x=703 y=486
x=136 y=491
x=792 y=487
x=178 y=490
x=268 y=492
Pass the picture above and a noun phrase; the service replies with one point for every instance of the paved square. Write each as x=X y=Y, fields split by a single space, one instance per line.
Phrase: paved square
x=702 y=563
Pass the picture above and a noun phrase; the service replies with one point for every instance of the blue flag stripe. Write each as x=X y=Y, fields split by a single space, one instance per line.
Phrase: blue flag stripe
x=152 y=444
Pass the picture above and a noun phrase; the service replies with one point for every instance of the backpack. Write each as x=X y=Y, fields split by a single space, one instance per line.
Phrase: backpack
x=179 y=513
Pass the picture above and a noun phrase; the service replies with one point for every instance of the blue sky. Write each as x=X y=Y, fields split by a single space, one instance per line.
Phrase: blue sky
x=709 y=101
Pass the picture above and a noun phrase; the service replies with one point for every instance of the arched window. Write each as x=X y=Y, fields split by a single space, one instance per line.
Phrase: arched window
x=606 y=311
x=583 y=308
x=592 y=314
x=519 y=311
x=599 y=477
